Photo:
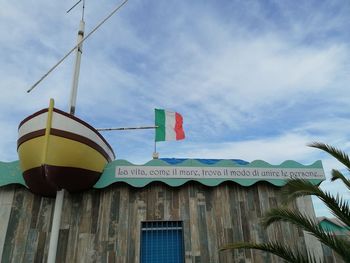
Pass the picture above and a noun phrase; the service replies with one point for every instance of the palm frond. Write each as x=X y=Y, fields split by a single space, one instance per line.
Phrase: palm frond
x=338 y=175
x=335 y=152
x=283 y=251
x=299 y=187
x=341 y=246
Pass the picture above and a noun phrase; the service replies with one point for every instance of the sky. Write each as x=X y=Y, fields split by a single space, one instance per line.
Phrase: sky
x=253 y=80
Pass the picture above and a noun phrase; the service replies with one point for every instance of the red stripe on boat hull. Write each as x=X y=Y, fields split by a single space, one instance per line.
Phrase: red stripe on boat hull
x=48 y=179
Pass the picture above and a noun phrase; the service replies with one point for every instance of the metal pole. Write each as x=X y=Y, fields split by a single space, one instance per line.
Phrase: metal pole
x=155 y=155
x=55 y=228
x=56 y=221
x=127 y=128
x=73 y=96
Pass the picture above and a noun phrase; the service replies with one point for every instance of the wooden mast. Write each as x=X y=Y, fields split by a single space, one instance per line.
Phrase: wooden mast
x=56 y=221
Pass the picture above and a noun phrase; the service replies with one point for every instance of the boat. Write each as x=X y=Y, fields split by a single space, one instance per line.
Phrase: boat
x=57 y=151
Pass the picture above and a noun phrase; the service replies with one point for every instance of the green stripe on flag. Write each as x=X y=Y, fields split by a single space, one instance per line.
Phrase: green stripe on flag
x=160 y=122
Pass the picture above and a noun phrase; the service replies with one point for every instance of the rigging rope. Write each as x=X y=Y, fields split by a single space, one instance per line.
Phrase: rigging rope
x=76 y=46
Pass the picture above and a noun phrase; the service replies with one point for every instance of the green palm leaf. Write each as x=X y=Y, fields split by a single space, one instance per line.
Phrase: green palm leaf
x=292 y=256
x=335 y=152
x=338 y=175
x=337 y=205
x=298 y=188
x=341 y=246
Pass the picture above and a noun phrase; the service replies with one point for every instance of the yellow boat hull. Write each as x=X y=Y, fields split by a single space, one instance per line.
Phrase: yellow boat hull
x=67 y=153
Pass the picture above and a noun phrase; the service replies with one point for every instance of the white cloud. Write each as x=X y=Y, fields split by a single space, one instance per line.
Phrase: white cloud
x=251 y=83
x=274 y=150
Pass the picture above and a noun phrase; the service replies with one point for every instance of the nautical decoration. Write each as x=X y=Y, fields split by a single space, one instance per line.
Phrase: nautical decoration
x=60 y=151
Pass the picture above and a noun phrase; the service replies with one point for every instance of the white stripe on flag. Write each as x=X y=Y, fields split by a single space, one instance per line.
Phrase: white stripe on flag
x=170 y=125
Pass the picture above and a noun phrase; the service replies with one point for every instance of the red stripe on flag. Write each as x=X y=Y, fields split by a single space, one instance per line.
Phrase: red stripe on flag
x=180 y=134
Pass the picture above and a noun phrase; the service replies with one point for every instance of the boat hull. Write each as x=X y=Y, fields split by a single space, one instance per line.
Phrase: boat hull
x=59 y=151
x=47 y=179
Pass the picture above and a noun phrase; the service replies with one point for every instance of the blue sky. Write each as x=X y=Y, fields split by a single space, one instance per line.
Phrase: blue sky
x=252 y=79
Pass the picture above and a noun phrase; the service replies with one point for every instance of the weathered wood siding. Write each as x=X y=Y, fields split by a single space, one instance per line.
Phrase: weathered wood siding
x=104 y=225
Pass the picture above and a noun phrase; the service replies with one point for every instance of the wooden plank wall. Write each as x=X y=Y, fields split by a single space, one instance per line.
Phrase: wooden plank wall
x=305 y=206
x=104 y=225
x=6 y=199
x=330 y=256
x=27 y=230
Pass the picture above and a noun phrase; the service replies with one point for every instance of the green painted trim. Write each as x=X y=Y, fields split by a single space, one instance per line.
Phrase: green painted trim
x=10 y=173
x=140 y=182
x=108 y=176
x=329 y=226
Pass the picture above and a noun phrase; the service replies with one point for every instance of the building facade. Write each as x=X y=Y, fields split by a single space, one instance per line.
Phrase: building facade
x=155 y=222
x=337 y=228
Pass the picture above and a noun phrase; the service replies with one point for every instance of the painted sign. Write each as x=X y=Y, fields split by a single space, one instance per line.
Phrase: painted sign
x=210 y=172
x=176 y=172
x=216 y=172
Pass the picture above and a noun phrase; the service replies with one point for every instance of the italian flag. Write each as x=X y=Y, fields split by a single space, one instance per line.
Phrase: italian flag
x=169 y=126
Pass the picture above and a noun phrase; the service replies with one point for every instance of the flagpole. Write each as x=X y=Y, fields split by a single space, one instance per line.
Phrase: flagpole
x=155 y=155
x=127 y=128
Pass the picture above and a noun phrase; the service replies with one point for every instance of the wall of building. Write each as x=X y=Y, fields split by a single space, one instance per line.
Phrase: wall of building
x=104 y=225
x=338 y=230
